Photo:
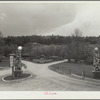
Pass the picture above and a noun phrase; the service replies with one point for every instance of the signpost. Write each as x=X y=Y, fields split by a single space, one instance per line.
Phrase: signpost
x=12 y=64
x=11 y=60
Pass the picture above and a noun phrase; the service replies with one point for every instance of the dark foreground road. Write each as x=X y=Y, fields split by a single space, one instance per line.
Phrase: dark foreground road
x=46 y=80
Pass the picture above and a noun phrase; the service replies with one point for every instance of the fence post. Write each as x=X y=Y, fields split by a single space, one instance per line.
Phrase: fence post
x=62 y=70
x=70 y=71
x=83 y=74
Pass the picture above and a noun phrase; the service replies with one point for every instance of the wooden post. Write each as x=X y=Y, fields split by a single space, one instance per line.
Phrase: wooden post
x=62 y=71
x=83 y=74
x=70 y=71
x=13 y=72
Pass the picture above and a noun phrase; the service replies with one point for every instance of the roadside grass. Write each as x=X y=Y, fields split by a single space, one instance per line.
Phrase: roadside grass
x=66 y=68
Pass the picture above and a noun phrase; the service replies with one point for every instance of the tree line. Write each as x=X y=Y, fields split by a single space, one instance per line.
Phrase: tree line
x=47 y=40
x=75 y=47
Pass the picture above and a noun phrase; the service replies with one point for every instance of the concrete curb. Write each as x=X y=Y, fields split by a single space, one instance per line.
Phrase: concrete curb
x=16 y=79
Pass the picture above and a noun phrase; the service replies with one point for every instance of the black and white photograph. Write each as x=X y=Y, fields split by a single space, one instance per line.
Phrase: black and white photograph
x=50 y=46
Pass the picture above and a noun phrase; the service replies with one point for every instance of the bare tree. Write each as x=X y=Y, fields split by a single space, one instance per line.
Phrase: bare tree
x=76 y=35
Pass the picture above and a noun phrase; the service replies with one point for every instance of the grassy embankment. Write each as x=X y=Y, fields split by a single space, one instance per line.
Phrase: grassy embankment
x=66 y=68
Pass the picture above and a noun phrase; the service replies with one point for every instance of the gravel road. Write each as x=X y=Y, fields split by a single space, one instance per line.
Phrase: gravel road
x=45 y=80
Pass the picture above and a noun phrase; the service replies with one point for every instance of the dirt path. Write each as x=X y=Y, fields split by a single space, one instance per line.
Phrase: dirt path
x=46 y=80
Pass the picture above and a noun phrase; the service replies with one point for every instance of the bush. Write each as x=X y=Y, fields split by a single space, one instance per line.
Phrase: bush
x=89 y=61
x=89 y=57
x=1 y=58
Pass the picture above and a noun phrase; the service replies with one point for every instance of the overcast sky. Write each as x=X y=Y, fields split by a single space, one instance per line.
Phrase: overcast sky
x=49 y=18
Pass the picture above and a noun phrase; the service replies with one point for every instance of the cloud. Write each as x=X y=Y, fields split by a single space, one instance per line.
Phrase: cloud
x=49 y=18
x=30 y=19
x=2 y=16
x=87 y=20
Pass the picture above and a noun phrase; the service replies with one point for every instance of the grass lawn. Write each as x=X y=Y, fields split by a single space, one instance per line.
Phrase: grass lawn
x=4 y=65
x=64 y=68
x=24 y=75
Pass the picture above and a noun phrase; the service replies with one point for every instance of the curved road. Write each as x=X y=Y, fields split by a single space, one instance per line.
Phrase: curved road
x=46 y=80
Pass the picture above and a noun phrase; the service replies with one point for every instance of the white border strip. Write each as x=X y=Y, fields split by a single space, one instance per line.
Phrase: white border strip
x=27 y=2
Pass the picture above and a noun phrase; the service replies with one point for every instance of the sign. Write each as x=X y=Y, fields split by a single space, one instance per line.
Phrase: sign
x=11 y=61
